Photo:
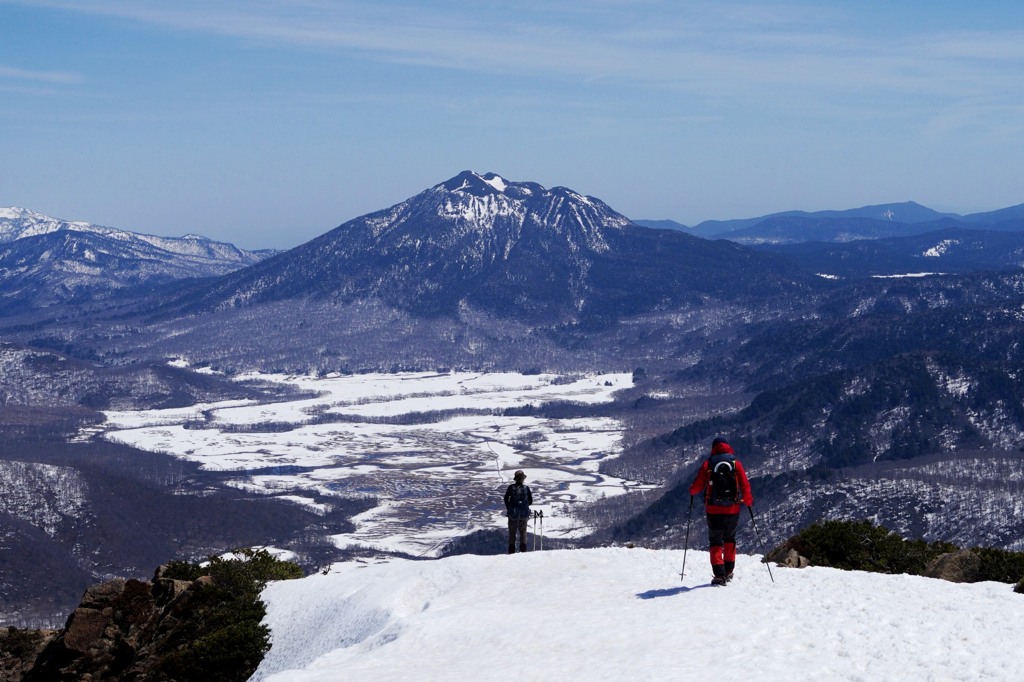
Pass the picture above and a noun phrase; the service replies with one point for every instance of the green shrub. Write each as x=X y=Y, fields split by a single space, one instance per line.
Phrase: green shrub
x=863 y=546
x=1000 y=565
x=182 y=570
x=225 y=638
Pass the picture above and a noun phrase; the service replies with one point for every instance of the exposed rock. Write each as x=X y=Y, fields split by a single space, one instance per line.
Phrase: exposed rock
x=85 y=627
x=787 y=555
x=962 y=566
x=793 y=559
x=122 y=630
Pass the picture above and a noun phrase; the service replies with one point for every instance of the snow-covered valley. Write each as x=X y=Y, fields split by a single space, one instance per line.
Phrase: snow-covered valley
x=435 y=450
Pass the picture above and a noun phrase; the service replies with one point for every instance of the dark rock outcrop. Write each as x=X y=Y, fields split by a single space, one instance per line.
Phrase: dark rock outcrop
x=963 y=566
x=787 y=555
x=791 y=559
x=122 y=630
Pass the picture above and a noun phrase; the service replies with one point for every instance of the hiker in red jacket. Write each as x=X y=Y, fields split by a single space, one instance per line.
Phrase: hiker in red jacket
x=725 y=486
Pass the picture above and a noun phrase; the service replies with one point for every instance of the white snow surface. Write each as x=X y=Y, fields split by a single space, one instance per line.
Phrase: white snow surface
x=624 y=614
x=497 y=182
x=940 y=249
x=908 y=274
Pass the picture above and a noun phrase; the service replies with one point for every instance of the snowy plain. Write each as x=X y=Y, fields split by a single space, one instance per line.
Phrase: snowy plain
x=434 y=449
x=624 y=614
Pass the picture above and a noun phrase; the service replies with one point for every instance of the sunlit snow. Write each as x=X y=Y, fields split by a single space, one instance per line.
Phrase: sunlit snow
x=940 y=249
x=908 y=274
x=497 y=182
x=624 y=614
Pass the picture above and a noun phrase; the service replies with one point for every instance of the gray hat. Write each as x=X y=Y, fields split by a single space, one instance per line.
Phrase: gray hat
x=519 y=475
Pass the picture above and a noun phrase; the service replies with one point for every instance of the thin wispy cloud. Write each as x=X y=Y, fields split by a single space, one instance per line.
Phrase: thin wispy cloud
x=49 y=77
x=702 y=48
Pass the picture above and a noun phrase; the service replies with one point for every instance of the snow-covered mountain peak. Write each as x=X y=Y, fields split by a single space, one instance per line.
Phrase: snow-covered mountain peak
x=473 y=201
x=523 y=252
x=16 y=223
x=477 y=238
x=472 y=195
x=44 y=260
x=495 y=181
x=14 y=212
x=473 y=184
x=19 y=223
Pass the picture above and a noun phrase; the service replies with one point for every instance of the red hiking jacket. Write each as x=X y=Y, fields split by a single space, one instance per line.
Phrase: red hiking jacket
x=700 y=484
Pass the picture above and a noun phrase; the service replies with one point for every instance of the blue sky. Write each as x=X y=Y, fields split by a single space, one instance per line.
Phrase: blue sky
x=268 y=122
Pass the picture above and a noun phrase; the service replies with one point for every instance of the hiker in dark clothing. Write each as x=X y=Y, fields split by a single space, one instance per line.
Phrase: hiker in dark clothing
x=518 y=499
x=725 y=486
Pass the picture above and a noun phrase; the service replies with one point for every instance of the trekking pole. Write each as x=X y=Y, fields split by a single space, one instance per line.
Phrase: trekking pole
x=534 y=531
x=687 y=545
x=758 y=536
x=541 y=529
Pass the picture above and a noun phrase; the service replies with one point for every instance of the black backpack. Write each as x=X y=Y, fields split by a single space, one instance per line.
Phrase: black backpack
x=518 y=501
x=723 y=485
x=518 y=496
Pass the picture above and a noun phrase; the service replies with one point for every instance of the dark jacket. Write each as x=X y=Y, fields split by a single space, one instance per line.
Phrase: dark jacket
x=518 y=499
x=700 y=483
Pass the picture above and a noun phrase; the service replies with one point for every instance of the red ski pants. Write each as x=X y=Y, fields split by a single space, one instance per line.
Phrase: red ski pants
x=722 y=540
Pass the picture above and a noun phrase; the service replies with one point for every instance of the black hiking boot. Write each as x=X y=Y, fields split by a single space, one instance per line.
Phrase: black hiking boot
x=718 y=580
x=728 y=578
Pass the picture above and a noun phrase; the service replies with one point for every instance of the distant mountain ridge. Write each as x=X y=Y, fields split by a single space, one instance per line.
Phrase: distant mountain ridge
x=952 y=250
x=19 y=223
x=867 y=222
x=45 y=260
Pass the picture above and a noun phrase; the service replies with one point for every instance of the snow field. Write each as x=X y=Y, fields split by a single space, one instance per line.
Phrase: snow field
x=433 y=478
x=624 y=614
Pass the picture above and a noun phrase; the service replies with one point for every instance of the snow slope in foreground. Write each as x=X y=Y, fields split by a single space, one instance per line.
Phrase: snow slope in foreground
x=623 y=614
